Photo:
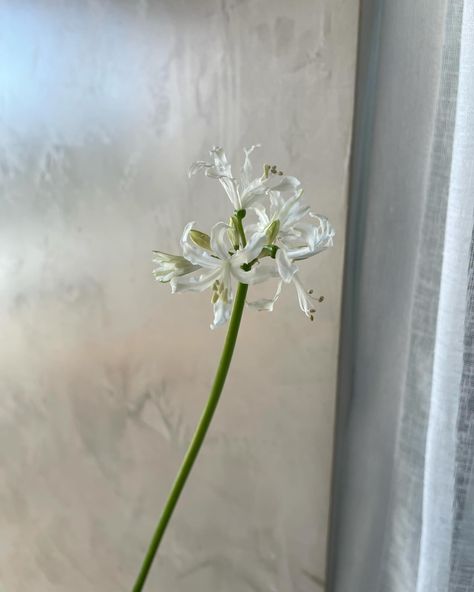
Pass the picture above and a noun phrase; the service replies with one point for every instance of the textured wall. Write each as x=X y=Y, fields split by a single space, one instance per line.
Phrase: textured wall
x=104 y=104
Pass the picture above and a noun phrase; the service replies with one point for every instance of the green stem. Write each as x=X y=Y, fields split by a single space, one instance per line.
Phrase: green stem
x=199 y=435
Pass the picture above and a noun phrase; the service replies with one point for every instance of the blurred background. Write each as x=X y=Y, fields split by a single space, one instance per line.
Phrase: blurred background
x=103 y=106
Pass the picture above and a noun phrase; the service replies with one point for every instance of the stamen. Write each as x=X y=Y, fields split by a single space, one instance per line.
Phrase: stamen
x=311 y=318
x=312 y=310
x=215 y=297
x=321 y=298
x=310 y=291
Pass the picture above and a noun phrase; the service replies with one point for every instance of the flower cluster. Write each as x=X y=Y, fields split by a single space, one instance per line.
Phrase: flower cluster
x=281 y=232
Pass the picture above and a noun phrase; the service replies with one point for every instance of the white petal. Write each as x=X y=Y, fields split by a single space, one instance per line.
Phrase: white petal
x=260 y=272
x=286 y=268
x=304 y=300
x=253 y=249
x=246 y=171
x=291 y=211
x=195 y=254
x=223 y=306
x=255 y=245
x=222 y=312
x=221 y=163
x=219 y=169
x=198 y=166
x=325 y=232
x=285 y=183
x=277 y=201
x=260 y=187
x=267 y=304
x=230 y=187
x=219 y=240
x=299 y=253
x=317 y=238
x=255 y=190
x=263 y=218
x=195 y=283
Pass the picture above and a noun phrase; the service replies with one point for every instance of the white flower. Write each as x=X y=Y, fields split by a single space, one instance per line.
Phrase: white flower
x=284 y=218
x=285 y=233
x=246 y=193
x=218 y=266
x=296 y=240
x=171 y=266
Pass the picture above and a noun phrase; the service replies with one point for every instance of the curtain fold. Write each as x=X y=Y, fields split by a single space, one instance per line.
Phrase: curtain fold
x=403 y=490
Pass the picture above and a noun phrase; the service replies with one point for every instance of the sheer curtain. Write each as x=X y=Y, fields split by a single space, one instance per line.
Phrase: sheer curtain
x=403 y=511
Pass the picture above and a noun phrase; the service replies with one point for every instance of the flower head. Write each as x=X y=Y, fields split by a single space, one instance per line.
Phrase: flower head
x=218 y=267
x=285 y=233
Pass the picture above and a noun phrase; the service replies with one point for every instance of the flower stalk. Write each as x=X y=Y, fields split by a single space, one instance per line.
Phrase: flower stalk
x=269 y=233
x=199 y=435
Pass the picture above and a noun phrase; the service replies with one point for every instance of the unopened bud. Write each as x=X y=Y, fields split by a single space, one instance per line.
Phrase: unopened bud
x=273 y=230
x=233 y=233
x=201 y=239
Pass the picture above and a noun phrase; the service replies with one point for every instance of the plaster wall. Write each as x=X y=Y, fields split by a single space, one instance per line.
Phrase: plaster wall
x=103 y=373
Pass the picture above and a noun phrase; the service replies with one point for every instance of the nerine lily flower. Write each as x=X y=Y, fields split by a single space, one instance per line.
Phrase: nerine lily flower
x=217 y=266
x=248 y=191
x=296 y=240
x=285 y=229
x=283 y=223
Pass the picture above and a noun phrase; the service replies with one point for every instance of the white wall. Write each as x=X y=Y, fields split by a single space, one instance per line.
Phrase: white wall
x=102 y=372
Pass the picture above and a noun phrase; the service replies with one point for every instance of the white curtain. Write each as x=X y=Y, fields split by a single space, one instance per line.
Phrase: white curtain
x=403 y=511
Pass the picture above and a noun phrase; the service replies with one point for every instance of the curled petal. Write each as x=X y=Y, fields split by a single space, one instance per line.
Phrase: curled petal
x=253 y=249
x=219 y=240
x=221 y=164
x=284 y=183
x=266 y=304
x=222 y=298
x=195 y=254
x=199 y=165
x=286 y=268
x=194 y=283
x=316 y=238
x=222 y=312
x=304 y=300
x=291 y=211
x=259 y=273
x=246 y=171
x=263 y=218
x=219 y=169
x=324 y=232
